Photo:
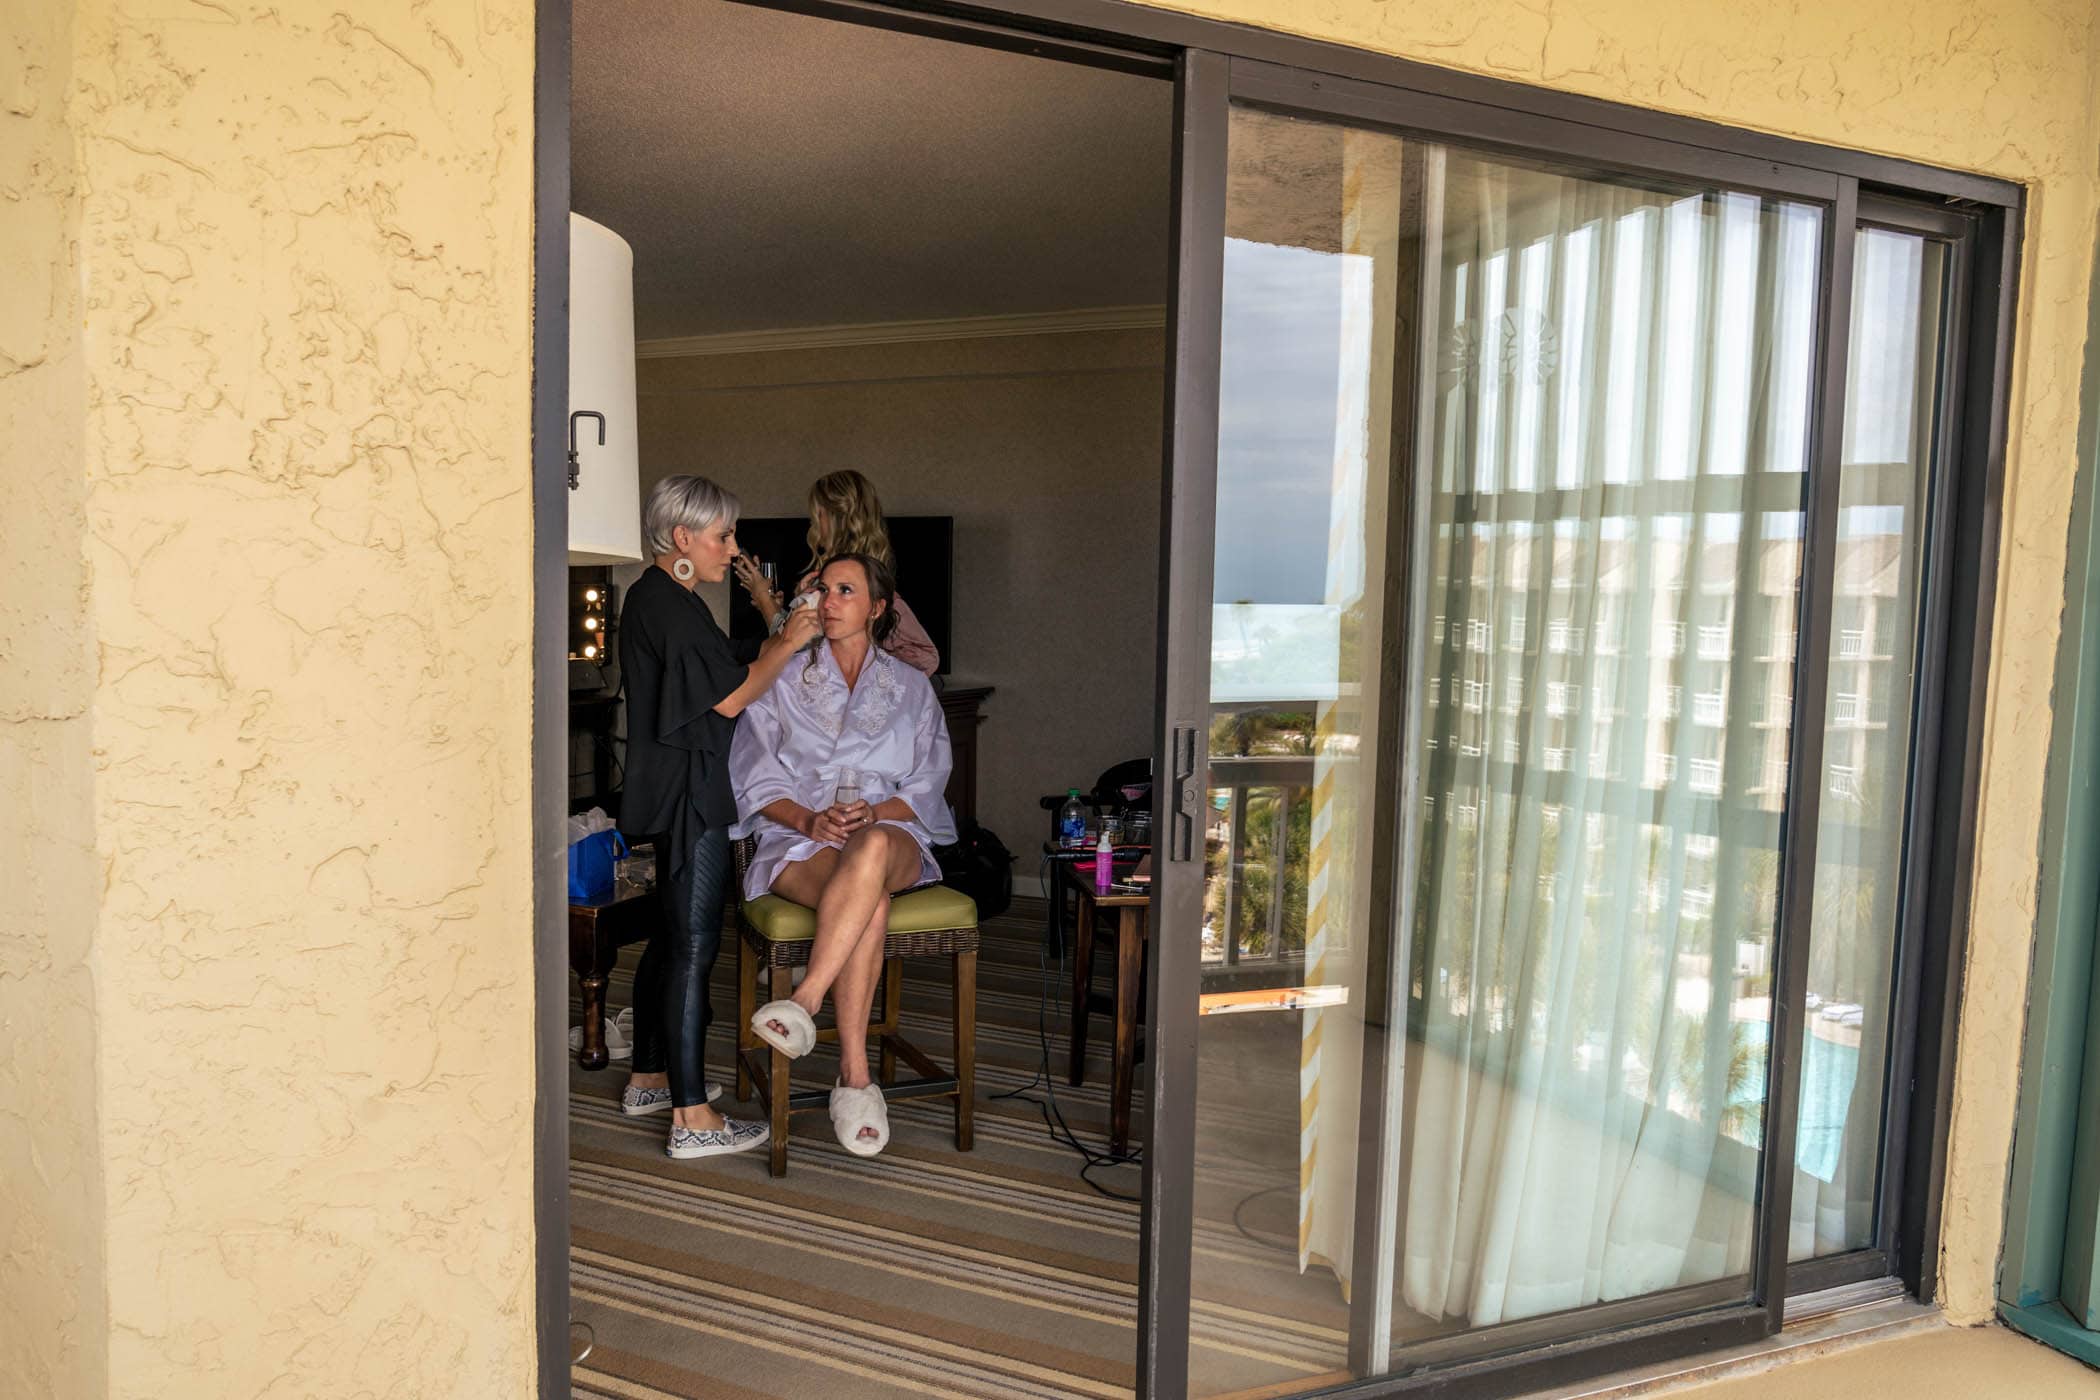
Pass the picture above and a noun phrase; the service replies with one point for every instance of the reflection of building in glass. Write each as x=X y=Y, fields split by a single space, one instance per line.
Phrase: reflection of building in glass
x=1693 y=709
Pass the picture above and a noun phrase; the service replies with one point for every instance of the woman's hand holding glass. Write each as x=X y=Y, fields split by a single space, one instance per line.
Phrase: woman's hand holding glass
x=849 y=817
x=835 y=823
x=753 y=575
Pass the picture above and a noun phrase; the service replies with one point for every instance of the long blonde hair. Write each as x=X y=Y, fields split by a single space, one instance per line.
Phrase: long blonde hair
x=850 y=507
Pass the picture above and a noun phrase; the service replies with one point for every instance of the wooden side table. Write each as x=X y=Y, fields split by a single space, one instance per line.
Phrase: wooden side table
x=597 y=932
x=1132 y=915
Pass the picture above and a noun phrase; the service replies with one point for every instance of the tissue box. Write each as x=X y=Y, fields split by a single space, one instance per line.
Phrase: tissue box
x=591 y=864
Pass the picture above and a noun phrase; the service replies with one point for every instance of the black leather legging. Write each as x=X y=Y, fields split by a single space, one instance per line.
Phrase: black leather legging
x=671 y=1006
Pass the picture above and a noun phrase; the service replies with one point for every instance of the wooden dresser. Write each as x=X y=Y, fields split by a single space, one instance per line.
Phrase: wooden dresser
x=963 y=705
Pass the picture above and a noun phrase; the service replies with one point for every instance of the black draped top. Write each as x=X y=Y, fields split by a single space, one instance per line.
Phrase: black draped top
x=676 y=665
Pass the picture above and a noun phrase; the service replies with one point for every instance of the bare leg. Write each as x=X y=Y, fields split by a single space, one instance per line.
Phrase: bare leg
x=850 y=891
x=846 y=896
x=853 y=997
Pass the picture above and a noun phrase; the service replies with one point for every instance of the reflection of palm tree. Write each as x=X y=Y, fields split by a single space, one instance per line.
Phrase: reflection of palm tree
x=1259 y=885
x=1740 y=1112
x=1266 y=733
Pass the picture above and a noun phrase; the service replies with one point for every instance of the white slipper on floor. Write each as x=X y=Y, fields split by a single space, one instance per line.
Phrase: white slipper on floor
x=801 y=1036
x=619 y=1037
x=855 y=1109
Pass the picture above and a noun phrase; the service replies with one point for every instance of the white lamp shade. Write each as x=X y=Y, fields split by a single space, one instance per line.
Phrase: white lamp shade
x=605 y=506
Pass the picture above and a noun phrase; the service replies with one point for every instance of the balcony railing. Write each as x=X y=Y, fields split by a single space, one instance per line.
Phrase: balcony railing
x=1280 y=787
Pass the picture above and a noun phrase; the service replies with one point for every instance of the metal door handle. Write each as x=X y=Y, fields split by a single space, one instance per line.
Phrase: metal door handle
x=1188 y=795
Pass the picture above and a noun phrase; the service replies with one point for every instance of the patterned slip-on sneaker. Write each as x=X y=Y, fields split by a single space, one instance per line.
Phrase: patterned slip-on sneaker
x=735 y=1135
x=636 y=1102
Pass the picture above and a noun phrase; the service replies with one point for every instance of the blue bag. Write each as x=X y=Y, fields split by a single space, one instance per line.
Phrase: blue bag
x=591 y=865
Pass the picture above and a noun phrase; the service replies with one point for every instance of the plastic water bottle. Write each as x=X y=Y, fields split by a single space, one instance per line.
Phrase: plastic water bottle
x=1104 y=861
x=1071 y=820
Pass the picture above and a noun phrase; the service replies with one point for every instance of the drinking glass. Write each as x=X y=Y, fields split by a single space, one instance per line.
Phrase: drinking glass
x=848 y=790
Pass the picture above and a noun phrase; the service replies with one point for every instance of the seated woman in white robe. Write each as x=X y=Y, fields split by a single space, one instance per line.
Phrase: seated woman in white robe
x=847 y=706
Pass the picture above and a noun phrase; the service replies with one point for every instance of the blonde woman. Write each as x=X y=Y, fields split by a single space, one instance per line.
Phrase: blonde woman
x=845 y=517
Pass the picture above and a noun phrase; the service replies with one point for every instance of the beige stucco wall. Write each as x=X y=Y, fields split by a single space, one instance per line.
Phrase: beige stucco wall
x=1046 y=451
x=2008 y=90
x=265 y=778
x=53 y=1318
x=280 y=511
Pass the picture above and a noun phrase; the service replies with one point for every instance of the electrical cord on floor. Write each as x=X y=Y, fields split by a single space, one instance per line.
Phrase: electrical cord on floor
x=1054 y=1115
x=1277 y=1242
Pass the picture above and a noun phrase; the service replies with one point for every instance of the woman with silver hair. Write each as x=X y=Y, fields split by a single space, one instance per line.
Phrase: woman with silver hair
x=686 y=683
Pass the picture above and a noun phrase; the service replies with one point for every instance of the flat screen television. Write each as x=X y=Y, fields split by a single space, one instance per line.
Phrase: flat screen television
x=924 y=546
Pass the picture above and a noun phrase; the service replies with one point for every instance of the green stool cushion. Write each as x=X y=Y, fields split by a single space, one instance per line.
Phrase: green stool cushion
x=921 y=911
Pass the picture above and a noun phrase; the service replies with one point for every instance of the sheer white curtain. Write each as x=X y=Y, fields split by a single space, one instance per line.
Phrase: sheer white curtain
x=1618 y=425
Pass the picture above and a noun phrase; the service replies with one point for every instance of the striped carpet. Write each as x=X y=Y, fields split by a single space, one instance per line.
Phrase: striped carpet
x=925 y=1271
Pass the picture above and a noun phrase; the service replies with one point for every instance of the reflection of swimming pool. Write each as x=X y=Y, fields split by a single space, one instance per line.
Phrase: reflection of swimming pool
x=1828 y=1073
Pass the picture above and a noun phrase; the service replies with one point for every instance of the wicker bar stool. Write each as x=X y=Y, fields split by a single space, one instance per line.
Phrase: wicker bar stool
x=775 y=935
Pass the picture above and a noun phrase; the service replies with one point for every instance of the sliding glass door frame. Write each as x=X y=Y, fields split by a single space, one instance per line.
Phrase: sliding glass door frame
x=1212 y=64
x=1957 y=230
x=1960 y=549
x=1623 y=1334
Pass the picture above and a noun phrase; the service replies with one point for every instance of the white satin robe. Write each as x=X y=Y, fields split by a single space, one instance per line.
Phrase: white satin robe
x=793 y=741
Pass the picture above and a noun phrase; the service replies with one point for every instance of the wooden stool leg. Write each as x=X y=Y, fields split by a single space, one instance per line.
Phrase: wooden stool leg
x=1082 y=985
x=892 y=1013
x=746 y=1005
x=594 y=1053
x=591 y=966
x=777 y=1158
x=965 y=1050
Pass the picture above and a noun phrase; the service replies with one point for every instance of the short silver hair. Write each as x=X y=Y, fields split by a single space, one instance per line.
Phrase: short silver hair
x=691 y=501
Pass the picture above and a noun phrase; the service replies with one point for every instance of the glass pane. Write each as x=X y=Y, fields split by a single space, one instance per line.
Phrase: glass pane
x=1609 y=544
x=1891 y=406
x=1608 y=478
x=1310 y=318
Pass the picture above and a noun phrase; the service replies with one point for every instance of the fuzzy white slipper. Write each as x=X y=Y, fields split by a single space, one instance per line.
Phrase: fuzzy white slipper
x=619 y=1037
x=855 y=1109
x=801 y=1036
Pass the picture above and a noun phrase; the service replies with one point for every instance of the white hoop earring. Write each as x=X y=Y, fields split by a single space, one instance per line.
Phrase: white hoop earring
x=683 y=571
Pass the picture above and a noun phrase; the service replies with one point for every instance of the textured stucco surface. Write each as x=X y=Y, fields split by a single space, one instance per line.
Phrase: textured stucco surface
x=52 y=1315
x=305 y=253
x=2008 y=90
x=275 y=751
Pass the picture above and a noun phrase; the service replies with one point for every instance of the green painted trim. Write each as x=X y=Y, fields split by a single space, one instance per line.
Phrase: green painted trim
x=2050 y=1325
x=2081 y=1270
x=2061 y=998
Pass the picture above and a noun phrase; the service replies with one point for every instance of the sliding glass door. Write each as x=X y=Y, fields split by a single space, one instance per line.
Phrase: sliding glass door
x=1549 y=620
x=1302 y=703
x=1611 y=540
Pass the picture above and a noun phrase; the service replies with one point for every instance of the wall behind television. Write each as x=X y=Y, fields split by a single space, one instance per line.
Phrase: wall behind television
x=1046 y=451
